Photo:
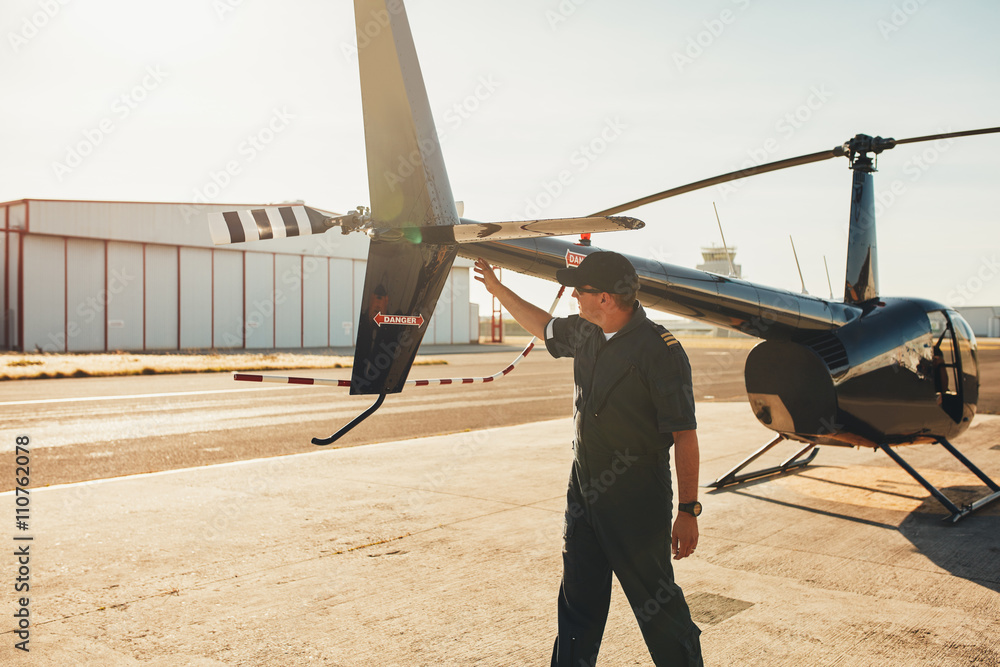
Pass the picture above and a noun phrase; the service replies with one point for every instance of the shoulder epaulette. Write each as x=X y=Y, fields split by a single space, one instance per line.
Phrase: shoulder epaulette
x=667 y=337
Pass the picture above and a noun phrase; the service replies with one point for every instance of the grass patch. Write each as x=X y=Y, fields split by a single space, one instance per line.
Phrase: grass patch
x=48 y=366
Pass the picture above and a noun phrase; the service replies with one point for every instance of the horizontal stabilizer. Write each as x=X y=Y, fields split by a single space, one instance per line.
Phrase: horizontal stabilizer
x=273 y=222
x=473 y=232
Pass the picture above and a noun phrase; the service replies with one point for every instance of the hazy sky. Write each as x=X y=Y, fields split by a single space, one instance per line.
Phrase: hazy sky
x=545 y=109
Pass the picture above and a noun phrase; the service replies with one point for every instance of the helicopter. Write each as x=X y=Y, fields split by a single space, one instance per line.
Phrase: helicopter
x=866 y=371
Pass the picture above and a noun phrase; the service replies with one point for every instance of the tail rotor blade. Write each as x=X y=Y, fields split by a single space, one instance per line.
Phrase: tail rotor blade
x=273 y=222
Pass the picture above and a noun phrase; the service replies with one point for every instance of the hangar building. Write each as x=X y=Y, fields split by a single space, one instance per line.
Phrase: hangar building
x=984 y=320
x=88 y=276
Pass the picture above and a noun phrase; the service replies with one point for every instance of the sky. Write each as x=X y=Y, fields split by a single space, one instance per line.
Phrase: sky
x=544 y=108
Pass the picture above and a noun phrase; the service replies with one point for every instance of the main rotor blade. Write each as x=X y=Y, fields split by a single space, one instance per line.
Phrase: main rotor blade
x=947 y=135
x=724 y=178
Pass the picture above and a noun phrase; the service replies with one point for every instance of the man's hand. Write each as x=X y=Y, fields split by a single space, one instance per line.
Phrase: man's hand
x=528 y=315
x=684 y=538
x=485 y=275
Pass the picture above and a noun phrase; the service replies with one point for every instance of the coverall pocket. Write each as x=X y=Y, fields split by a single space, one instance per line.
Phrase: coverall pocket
x=569 y=523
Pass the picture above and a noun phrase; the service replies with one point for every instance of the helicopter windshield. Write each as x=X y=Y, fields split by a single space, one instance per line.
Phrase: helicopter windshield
x=956 y=366
x=968 y=356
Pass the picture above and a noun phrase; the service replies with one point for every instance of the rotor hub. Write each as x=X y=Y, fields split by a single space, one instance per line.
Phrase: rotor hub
x=861 y=145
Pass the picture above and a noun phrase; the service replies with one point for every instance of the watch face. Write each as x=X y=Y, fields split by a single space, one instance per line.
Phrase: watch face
x=691 y=508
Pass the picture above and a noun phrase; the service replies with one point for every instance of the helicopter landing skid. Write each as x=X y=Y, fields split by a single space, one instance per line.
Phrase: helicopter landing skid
x=956 y=512
x=322 y=442
x=733 y=477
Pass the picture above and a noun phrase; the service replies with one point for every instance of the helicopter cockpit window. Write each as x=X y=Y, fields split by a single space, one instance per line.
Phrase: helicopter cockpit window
x=945 y=364
x=966 y=344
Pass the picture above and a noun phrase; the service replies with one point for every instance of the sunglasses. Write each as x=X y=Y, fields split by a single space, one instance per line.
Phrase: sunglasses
x=589 y=290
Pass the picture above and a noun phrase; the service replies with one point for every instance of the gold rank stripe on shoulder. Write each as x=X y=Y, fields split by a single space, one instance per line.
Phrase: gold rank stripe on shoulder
x=669 y=339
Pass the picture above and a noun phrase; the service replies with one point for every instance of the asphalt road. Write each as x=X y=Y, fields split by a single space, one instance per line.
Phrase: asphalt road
x=95 y=428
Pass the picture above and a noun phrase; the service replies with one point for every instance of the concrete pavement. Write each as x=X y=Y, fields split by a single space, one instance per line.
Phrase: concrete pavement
x=445 y=551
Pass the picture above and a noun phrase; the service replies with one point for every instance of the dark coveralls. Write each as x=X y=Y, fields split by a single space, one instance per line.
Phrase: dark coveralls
x=632 y=393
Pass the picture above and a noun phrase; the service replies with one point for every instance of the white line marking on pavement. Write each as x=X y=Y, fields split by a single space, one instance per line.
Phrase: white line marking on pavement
x=130 y=396
x=278 y=460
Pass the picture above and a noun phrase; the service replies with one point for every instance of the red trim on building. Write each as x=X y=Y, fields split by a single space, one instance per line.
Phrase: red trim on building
x=274 y=300
x=302 y=301
x=243 y=329
x=143 y=297
x=65 y=295
x=20 y=282
x=105 y=295
x=178 y=297
x=8 y=344
x=212 y=302
x=328 y=332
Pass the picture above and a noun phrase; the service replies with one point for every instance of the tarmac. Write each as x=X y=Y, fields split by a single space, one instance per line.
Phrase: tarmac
x=446 y=551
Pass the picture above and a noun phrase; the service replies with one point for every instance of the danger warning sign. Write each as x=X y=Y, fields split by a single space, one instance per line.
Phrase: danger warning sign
x=405 y=320
x=573 y=259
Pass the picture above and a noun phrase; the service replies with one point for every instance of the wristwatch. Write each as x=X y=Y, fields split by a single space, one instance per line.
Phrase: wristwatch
x=694 y=509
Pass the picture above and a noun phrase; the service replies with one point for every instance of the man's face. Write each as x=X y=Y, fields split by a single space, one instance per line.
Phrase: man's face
x=588 y=300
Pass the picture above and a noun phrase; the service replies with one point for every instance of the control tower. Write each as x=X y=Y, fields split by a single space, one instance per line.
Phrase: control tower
x=716 y=259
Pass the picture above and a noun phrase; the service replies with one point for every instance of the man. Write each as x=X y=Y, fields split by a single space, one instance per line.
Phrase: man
x=633 y=400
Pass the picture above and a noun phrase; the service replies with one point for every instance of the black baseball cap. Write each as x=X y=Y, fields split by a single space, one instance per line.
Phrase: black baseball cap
x=603 y=270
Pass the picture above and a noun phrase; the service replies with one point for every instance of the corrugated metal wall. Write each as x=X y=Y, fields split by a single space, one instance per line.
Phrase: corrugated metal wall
x=125 y=297
x=315 y=302
x=44 y=292
x=287 y=301
x=85 y=299
x=196 y=297
x=84 y=294
x=228 y=300
x=161 y=298
x=343 y=297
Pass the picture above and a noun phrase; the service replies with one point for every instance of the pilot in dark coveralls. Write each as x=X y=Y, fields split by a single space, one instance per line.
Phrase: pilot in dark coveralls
x=633 y=401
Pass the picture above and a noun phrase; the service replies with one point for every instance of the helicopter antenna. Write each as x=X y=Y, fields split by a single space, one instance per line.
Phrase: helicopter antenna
x=725 y=248
x=796 y=255
x=828 y=283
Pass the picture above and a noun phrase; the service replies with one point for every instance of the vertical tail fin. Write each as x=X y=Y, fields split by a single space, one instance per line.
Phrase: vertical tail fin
x=409 y=187
x=407 y=180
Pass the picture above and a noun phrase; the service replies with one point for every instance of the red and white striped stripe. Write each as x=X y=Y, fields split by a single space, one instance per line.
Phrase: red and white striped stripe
x=283 y=379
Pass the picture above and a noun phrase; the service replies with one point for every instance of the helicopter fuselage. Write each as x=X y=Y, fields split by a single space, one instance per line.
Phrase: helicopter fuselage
x=892 y=370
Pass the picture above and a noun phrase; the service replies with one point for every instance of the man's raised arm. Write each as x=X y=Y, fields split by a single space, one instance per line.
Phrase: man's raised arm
x=528 y=315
